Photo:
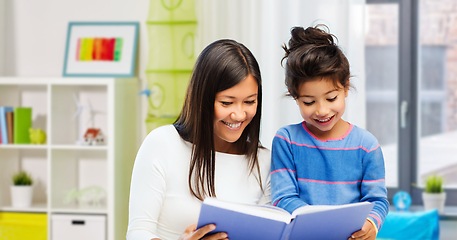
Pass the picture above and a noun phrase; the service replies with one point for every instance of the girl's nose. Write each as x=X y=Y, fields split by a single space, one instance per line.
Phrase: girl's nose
x=322 y=110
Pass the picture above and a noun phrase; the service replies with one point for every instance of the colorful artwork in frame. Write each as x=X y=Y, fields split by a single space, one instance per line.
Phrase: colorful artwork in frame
x=101 y=49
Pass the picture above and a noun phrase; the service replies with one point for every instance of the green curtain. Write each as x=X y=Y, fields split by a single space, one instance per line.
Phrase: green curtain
x=171 y=30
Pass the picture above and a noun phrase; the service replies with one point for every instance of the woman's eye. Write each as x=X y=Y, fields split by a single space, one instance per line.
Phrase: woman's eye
x=250 y=102
x=332 y=99
x=308 y=103
x=226 y=103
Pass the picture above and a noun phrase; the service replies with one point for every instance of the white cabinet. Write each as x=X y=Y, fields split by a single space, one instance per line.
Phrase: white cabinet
x=63 y=168
x=78 y=227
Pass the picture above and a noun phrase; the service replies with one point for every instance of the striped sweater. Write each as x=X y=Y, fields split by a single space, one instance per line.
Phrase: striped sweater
x=306 y=170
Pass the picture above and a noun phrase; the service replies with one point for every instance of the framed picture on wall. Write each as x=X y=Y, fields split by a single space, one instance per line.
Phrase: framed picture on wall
x=101 y=49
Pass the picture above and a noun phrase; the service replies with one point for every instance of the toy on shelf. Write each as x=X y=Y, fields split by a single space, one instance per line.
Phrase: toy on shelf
x=94 y=136
x=85 y=138
x=79 y=110
x=90 y=195
x=37 y=136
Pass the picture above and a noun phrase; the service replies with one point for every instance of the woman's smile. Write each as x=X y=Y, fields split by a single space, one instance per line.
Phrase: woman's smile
x=233 y=126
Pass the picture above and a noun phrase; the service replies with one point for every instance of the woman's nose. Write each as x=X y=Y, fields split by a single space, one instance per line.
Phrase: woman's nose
x=239 y=114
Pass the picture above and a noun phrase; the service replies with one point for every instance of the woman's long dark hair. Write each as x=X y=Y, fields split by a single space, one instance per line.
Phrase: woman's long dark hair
x=313 y=55
x=220 y=66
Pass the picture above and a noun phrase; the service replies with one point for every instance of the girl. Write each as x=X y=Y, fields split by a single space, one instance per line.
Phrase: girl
x=213 y=149
x=325 y=160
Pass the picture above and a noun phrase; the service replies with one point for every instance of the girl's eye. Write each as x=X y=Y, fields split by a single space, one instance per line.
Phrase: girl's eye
x=332 y=99
x=308 y=103
x=250 y=102
x=226 y=103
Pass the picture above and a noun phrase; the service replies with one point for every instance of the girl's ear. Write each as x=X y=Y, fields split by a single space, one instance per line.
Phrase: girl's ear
x=296 y=99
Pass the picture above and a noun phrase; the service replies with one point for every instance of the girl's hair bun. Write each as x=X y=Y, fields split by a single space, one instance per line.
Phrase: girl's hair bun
x=310 y=36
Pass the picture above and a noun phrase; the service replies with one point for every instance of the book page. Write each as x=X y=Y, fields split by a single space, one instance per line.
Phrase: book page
x=268 y=212
x=320 y=208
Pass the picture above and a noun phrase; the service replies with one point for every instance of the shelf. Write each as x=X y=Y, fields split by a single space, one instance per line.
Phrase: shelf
x=75 y=209
x=79 y=147
x=45 y=146
x=23 y=146
x=61 y=168
x=35 y=208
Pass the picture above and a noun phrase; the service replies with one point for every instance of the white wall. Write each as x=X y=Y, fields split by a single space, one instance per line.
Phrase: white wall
x=37 y=31
x=2 y=35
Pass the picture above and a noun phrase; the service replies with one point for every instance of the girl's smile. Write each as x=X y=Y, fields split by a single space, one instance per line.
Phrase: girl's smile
x=325 y=121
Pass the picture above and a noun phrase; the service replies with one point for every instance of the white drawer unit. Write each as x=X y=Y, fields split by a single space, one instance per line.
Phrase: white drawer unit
x=78 y=227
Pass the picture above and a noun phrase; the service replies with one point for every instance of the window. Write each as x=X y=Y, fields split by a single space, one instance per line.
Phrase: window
x=437 y=91
x=411 y=88
x=381 y=61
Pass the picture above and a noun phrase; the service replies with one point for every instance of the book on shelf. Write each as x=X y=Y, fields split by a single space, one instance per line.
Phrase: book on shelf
x=22 y=124
x=3 y=123
x=242 y=221
x=9 y=126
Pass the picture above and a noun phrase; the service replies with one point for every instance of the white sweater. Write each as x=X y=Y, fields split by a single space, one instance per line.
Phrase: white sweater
x=161 y=205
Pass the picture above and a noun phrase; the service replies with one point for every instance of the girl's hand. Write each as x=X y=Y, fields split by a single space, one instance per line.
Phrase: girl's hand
x=191 y=233
x=368 y=232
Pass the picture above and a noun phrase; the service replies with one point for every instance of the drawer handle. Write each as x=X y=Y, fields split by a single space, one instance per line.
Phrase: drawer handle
x=77 y=222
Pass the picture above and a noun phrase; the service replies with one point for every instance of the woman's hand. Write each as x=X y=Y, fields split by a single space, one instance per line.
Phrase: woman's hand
x=368 y=232
x=191 y=233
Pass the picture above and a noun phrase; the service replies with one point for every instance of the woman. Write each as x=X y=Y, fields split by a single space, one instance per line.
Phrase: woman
x=213 y=149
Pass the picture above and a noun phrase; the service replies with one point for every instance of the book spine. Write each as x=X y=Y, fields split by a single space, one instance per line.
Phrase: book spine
x=9 y=126
x=3 y=124
x=22 y=124
x=287 y=230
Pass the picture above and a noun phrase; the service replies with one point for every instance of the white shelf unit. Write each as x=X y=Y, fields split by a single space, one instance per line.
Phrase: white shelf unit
x=61 y=165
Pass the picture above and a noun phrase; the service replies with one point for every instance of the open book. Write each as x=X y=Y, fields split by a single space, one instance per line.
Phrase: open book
x=241 y=221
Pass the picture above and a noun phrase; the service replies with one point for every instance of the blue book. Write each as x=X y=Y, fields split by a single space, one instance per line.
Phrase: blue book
x=241 y=221
x=3 y=125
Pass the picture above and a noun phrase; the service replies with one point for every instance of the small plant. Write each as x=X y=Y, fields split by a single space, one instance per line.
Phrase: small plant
x=22 y=178
x=434 y=184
